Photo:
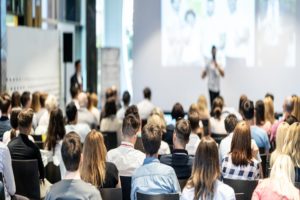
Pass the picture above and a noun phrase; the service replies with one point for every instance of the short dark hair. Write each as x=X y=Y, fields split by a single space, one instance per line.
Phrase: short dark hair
x=14 y=117
x=126 y=98
x=151 y=138
x=259 y=112
x=230 y=123
x=16 y=99
x=110 y=107
x=71 y=111
x=183 y=130
x=25 y=97
x=43 y=97
x=133 y=109
x=4 y=104
x=194 y=119
x=268 y=94
x=25 y=118
x=71 y=151
x=248 y=109
x=147 y=93
x=177 y=111
x=291 y=119
x=77 y=62
x=74 y=90
x=131 y=125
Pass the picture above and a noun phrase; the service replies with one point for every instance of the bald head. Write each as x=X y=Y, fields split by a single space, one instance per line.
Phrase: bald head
x=82 y=100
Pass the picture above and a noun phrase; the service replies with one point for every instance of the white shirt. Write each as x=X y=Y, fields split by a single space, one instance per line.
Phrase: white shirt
x=81 y=129
x=213 y=77
x=44 y=120
x=41 y=130
x=217 y=126
x=145 y=108
x=6 y=137
x=225 y=147
x=96 y=113
x=126 y=158
x=121 y=113
x=164 y=148
x=192 y=146
x=221 y=191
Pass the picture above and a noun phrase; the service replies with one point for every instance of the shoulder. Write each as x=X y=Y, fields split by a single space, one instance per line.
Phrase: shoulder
x=224 y=189
x=166 y=159
x=188 y=193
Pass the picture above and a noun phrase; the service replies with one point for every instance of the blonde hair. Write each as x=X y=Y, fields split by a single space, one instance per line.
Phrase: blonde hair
x=93 y=167
x=280 y=139
x=296 y=109
x=282 y=178
x=156 y=119
x=269 y=110
x=92 y=101
x=292 y=143
x=202 y=106
x=51 y=103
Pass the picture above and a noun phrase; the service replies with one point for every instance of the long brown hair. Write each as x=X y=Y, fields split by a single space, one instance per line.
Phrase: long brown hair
x=14 y=121
x=241 y=144
x=35 y=103
x=206 y=169
x=94 y=156
x=56 y=129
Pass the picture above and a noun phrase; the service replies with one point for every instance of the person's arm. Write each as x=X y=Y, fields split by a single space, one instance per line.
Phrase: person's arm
x=204 y=73
x=8 y=173
x=219 y=68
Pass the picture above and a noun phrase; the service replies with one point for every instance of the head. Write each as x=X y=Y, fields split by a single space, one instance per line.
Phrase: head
x=78 y=66
x=94 y=156
x=147 y=93
x=130 y=127
x=43 y=97
x=194 y=120
x=92 y=101
x=15 y=99
x=291 y=146
x=248 y=110
x=259 y=113
x=159 y=112
x=182 y=133
x=205 y=171
x=202 y=103
x=151 y=138
x=109 y=93
x=126 y=98
x=74 y=91
x=14 y=121
x=217 y=107
x=83 y=100
x=269 y=110
x=194 y=108
x=281 y=134
x=110 y=107
x=296 y=108
x=133 y=109
x=51 y=103
x=71 y=113
x=5 y=105
x=56 y=129
x=25 y=121
x=288 y=105
x=241 y=144
x=230 y=123
x=291 y=119
x=25 y=100
x=71 y=151
x=177 y=112
x=35 y=104
x=241 y=101
x=269 y=95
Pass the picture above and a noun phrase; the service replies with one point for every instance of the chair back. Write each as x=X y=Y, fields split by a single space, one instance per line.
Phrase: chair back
x=297 y=185
x=126 y=187
x=52 y=173
x=182 y=183
x=218 y=137
x=111 y=193
x=141 y=196
x=27 y=180
x=239 y=196
x=242 y=186
x=2 y=191
x=110 y=140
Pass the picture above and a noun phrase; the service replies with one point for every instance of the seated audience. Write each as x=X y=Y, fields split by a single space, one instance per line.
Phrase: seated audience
x=95 y=169
x=217 y=119
x=269 y=114
x=72 y=187
x=126 y=101
x=194 y=138
x=93 y=105
x=125 y=157
x=280 y=185
x=258 y=134
x=25 y=100
x=204 y=182
x=5 y=108
x=15 y=100
x=195 y=109
x=51 y=104
x=202 y=107
x=177 y=113
x=291 y=147
x=153 y=177
x=84 y=115
x=280 y=139
x=239 y=163
x=145 y=106
x=20 y=147
x=180 y=160
x=72 y=122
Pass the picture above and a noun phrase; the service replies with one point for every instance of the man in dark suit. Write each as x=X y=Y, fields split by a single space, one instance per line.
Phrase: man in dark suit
x=76 y=79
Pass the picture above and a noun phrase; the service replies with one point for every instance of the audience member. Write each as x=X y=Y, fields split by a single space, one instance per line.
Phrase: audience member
x=20 y=147
x=269 y=114
x=194 y=139
x=72 y=122
x=180 y=159
x=125 y=157
x=280 y=185
x=95 y=169
x=204 y=182
x=25 y=100
x=153 y=177
x=93 y=105
x=145 y=106
x=5 y=107
x=126 y=101
x=270 y=95
x=51 y=104
x=202 y=106
x=74 y=90
x=72 y=187
x=296 y=108
x=243 y=98
x=259 y=112
x=84 y=115
x=76 y=79
x=258 y=134
x=16 y=100
x=240 y=163
x=217 y=119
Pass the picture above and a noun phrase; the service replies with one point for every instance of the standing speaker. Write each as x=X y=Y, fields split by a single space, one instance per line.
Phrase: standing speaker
x=68 y=47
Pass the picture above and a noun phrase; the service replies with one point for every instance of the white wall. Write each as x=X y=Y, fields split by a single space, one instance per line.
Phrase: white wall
x=183 y=84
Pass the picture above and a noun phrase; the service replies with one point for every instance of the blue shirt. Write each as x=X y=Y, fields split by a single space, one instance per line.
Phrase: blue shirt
x=154 y=178
x=261 y=137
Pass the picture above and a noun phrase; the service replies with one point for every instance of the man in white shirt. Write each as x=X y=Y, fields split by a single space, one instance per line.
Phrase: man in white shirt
x=194 y=140
x=125 y=157
x=214 y=71
x=145 y=106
